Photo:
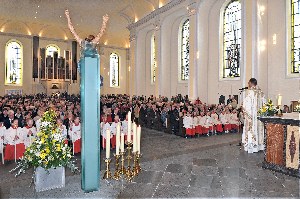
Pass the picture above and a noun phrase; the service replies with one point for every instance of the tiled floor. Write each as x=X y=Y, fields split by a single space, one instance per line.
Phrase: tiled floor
x=175 y=167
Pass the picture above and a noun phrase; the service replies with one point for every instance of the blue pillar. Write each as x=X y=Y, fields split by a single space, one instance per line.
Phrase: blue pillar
x=90 y=118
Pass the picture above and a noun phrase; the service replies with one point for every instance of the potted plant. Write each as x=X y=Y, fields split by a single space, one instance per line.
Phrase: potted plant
x=48 y=155
x=268 y=109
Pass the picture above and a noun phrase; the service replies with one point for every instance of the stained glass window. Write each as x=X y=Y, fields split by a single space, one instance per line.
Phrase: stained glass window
x=153 y=59
x=14 y=63
x=295 y=33
x=185 y=50
x=232 y=31
x=114 y=70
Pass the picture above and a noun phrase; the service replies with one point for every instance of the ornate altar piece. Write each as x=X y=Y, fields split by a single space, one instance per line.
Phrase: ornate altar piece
x=282 y=138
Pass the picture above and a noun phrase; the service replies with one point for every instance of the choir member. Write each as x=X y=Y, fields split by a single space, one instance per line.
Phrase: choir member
x=14 y=140
x=75 y=135
x=29 y=132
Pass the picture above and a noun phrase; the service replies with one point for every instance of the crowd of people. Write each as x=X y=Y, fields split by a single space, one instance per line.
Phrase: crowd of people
x=20 y=118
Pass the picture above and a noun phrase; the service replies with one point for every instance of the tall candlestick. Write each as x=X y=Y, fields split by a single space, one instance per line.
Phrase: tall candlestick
x=279 y=103
x=166 y=122
x=134 y=137
x=129 y=127
x=139 y=139
x=122 y=142
x=118 y=139
x=107 y=144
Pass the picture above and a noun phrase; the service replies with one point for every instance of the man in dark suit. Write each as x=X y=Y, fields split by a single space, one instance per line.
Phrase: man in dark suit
x=10 y=119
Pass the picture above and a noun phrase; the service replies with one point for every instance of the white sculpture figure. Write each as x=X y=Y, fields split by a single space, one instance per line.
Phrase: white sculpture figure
x=91 y=38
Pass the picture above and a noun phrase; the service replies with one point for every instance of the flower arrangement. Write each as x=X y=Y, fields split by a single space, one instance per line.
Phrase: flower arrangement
x=268 y=109
x=297 y=108
x=48 y=150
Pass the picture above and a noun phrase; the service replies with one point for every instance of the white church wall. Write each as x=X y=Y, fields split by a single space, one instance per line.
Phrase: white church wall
x=170 y=54
x=105 y=70
x=278 y=81
x=209 y=16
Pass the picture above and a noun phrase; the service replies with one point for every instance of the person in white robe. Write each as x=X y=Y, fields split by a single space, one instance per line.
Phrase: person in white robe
x=253 y=131
x=29 y=132
x=104 y=126
x=75 y=135
x=14 y=140
x=2 y=130
x=113 y=131
x=62 y=129
x=188 y=124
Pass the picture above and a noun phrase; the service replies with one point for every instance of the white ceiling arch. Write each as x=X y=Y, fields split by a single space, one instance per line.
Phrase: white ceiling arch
x=38 y=15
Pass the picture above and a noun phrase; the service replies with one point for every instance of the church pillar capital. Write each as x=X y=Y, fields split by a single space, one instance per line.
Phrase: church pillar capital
x=192 y=8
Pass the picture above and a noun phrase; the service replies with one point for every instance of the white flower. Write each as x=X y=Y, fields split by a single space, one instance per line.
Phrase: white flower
x=45 y=124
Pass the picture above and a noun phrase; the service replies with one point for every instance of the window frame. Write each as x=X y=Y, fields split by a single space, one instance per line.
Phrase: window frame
x=221 y=42
x=180 y=52
x=110 y=72
x=289 y=42
x=153 y=59
x=6 y=62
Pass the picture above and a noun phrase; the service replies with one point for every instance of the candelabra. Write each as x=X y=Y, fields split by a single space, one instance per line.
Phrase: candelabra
x=128 y=172
x=117 y=170
x=122 y=169
x=107 y=174
x=136 y=164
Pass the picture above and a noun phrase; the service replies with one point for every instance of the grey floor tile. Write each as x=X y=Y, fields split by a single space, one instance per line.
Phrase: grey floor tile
x=168 y=191
x=205 y=170
x=178 y=179
x=201 y=181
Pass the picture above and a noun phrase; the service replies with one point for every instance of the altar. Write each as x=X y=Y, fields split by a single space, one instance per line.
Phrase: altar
x=281 y=139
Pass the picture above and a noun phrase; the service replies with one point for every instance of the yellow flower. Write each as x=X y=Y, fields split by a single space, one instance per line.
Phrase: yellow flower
x=47 y=150
x=43 y=155
x=43 y=140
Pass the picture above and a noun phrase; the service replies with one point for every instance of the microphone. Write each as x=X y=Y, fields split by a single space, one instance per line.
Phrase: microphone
x=245 y=88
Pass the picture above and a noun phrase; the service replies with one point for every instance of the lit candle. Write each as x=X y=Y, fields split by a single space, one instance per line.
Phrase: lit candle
x=279 y=103
x=129 y=127
x=118 y=139
x=166 y=122
x=107 y=144
x=139 y=139
x=134 y=137
x=122 y=142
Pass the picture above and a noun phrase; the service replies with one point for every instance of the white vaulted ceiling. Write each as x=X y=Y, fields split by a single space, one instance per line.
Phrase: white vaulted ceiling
x=46 y=17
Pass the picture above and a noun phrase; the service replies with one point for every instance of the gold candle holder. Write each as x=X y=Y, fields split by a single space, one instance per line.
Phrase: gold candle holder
x=135 y=169
x=107 y=174
x=129 y=174
x=122 y=169
x=138 y=157
x=117 y=171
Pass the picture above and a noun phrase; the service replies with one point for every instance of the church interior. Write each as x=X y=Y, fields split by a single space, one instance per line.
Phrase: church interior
x=206 y=94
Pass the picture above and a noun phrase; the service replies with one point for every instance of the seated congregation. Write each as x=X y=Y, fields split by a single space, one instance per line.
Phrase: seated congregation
x=20 y=118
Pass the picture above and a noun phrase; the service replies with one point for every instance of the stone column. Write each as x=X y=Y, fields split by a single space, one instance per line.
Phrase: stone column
x=131 y=68
x=158 y=70
x=193 y=68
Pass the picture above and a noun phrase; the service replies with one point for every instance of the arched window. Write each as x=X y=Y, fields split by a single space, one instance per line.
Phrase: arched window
x=153 y=59
x=185 y=50
x=295 y=36
x=50 y=49
x=114 y=69
x=232 y=32
x=14 y=63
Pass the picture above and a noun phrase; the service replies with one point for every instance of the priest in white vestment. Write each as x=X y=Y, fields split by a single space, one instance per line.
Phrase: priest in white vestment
x=253 y=131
